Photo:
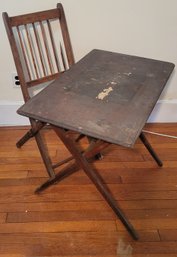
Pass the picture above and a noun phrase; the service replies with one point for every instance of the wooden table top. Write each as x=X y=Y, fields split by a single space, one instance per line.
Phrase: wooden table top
x=105 y=95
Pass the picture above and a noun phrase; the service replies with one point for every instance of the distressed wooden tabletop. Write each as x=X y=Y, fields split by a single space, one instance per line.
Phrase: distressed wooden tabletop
x=105 y=95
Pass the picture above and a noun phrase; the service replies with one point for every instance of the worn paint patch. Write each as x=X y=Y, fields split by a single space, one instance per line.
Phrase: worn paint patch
x=98 y=126
x=104 y=93
x=127 y=73
x=113 y=83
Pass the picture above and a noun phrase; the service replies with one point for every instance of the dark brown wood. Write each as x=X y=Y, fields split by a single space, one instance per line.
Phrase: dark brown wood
x=35 y=17
x=46 y=47
x=23 y=51
x=133 y=86
x=94 y=111
x=150 y=149
x=31 y=133
x=43 y=149
x=63 y=57
x=119 y=119
x=39 y=48
x=42 y=80
x=53 y=45
x=89 y=153
x=66 y=37
x=16 y=56
x=97 y=180
x=31 y=51
x=31 y=66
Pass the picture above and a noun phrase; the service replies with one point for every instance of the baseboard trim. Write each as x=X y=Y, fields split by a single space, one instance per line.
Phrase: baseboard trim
x=9 y=116
x=164 y=111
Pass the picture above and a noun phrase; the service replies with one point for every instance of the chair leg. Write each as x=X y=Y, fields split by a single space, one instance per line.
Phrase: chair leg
x=96 y=179
x=24 y=139
x=44 y=154
x=36 y=126
x=150 y=149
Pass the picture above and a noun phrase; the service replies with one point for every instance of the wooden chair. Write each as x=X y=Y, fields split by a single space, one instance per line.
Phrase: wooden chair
x=42 y=50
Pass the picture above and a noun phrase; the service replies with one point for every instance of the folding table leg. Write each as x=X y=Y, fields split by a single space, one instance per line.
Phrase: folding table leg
x=71 y=168
x=96 y=179
x=150 y=149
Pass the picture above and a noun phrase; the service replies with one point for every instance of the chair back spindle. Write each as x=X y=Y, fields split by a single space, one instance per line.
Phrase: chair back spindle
x=40 y=45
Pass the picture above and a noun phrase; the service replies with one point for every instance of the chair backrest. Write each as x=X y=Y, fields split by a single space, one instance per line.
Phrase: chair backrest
x=40 y=45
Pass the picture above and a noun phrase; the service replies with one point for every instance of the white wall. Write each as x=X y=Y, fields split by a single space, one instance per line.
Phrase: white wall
x=138 y=27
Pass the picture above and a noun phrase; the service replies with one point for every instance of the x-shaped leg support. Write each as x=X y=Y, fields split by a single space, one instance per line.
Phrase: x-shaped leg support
x=82 y=162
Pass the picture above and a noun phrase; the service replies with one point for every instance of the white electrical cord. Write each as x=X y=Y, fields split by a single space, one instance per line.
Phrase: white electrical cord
x=158 y=134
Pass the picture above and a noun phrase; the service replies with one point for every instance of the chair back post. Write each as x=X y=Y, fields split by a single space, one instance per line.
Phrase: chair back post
x=16 y=56
x=66 y=37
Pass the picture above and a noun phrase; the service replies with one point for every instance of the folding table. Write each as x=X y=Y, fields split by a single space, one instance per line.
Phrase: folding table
x=108 y=97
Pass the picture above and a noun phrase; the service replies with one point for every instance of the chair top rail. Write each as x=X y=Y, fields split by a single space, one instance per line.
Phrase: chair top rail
x=35 y=17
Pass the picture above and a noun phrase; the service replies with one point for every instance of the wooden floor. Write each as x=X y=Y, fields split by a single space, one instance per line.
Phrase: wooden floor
x=71 y=218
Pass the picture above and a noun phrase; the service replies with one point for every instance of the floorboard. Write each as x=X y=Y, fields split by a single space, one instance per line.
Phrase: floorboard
x=71 y=219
